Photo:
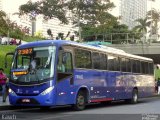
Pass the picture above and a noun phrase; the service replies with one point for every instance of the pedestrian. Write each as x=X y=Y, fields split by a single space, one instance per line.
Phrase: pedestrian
x=0 y=40
x=3 y=84
x=158 y=85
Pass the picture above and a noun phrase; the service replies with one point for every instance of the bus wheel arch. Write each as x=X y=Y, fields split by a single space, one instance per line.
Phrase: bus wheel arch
x=82 y=98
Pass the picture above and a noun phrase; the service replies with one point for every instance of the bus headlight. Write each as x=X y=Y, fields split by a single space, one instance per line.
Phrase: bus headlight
x=48 y=90
x=11 y=91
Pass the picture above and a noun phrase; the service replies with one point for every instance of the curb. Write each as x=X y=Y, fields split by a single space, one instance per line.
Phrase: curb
x=6 y=107
x=10 y=107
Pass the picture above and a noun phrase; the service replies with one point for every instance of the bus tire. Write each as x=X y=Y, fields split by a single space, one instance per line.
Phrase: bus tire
x=80 y=101
x=134 y=98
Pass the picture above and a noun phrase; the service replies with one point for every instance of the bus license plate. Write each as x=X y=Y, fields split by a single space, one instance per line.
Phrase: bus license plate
x=25 y=100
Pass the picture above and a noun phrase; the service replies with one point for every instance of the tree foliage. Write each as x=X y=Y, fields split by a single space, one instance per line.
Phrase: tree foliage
x=143 y=24
x=115 y=33
x=154 y=16
x=48 y=8
x=90 y=11
x=3 y=23
x=49 y=32
x=93 y=12
x=91 y=15
x=7 y=27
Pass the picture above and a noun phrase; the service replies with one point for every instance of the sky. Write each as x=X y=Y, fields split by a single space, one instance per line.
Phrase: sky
x=155 y=5
x=11 y=6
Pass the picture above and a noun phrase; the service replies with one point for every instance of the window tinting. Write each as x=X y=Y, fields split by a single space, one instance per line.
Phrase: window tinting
x=110 y=62
x=134 y=66
x=138 y=66
x=151 y=69
x=64 y=62
x=83 y=58
x=123 y=64
x=96 y=60
x=103 y=61
x=128 y=63
x=144 y=67
x=116 y=64
x=143 y=70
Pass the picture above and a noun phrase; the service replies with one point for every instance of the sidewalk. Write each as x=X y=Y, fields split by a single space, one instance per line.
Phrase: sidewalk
x=3 y=104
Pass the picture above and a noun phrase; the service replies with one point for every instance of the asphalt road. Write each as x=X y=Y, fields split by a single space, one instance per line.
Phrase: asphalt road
x=146 y=109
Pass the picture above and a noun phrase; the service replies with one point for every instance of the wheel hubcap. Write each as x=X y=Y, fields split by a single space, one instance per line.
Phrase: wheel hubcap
x=80 y=101
x=135 y=97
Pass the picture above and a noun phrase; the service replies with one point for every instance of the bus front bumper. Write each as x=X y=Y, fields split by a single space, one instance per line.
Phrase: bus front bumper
x=38 y=100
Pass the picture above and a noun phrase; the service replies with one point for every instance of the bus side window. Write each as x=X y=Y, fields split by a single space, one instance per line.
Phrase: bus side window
x=65 y=62
x=96 y=60
x=123 y=65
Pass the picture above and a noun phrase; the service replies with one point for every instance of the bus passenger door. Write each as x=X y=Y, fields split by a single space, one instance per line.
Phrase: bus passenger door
x=64 y=78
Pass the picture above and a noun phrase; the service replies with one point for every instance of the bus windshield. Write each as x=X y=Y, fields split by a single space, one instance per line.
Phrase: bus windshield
x=32 y=65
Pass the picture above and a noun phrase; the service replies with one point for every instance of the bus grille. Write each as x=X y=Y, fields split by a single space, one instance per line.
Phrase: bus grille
x=27 y=94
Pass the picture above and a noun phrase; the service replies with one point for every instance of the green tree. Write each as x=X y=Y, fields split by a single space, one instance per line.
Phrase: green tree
x=61 y=35
x=93 y=12
x=3 y=23
x=142 y=27
x=115 y=33
x=7 y=27
x=48 y=8
x=143 y=24
x=49 y=32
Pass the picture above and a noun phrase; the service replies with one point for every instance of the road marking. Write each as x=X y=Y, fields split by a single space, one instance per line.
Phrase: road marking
x=46 y=118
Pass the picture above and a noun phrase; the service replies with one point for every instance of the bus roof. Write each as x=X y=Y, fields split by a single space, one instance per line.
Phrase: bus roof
x=95 y=47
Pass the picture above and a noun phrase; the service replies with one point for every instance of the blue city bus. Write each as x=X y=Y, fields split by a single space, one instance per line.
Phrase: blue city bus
x=58 y=72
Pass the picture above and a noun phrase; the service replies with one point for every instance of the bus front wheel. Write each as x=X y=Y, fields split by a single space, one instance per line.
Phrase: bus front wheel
x=80 y=101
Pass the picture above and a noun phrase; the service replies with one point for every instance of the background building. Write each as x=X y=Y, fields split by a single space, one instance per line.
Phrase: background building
x=12 y=6
x=129 y=10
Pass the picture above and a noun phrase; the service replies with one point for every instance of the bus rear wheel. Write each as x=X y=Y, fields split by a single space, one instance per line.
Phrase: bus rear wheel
x=80 y=101
x=134 y=99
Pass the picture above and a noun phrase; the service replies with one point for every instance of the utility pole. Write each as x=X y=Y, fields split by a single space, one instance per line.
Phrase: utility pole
x=79 y=22
x=79 y=27
x=33 y=20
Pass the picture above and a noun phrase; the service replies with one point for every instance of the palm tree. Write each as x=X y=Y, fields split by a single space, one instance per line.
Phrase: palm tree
x=3 y=19
x=154 y=16
x=142 y=27
x=143 y=24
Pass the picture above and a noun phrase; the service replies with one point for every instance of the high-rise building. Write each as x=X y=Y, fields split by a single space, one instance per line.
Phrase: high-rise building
x=129 y=10
x=1 y=5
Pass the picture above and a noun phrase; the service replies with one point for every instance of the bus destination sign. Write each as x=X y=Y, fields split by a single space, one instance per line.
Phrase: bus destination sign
x=25 y=51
